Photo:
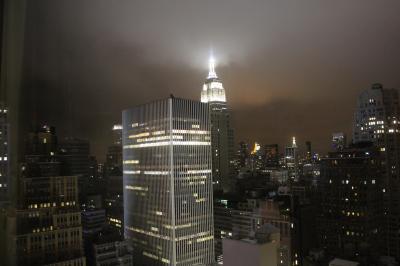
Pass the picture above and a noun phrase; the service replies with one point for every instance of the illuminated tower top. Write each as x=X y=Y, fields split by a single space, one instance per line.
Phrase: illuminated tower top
x=211 y=68
x=213 y=91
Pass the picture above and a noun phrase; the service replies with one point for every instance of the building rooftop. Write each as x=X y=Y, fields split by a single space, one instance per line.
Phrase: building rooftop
x=341 y=262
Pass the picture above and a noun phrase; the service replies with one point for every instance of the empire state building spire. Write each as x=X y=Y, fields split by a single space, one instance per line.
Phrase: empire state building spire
x=222 y=141
x=211 y=71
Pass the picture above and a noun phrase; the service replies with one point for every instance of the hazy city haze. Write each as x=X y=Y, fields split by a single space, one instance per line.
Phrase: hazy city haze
x=288 y=67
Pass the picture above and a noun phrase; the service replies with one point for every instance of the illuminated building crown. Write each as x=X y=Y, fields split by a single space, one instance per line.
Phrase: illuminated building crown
x=213 y=91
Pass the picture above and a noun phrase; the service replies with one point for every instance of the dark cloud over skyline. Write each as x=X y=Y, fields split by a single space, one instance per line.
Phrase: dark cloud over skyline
x=288 y=67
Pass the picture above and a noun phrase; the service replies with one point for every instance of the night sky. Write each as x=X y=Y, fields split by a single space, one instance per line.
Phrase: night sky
x=288 y=67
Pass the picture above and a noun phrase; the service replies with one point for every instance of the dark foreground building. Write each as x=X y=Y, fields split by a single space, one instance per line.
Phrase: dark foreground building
x=350 y=221
x=45 y=226
x=377 y=119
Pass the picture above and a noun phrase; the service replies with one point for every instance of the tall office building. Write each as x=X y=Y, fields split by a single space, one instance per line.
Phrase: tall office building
x=350 y=187
x=308 y=152
x=339 y=141
x=114 y=151
x=48 y=227
x=376 y=114
x=4 y=155
x=117 y=134
x=377 y=119
x=45 y=227
x=168 y=200
x=75 y=153
x=242 y=155
x=257 y=158
x=271 y=155
x=42 y=141
x=221 y=132
x=114 y=189
x=291 y=159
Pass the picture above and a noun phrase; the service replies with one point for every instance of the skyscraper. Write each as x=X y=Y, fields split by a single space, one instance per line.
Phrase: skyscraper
x=308 y=152
x=257 y=158
x=221 y=132
x=376 y=114
x=242 y=155
x=291 y=159
x=45 y=227
x=271 y=155
x=339 y=141
x=377 y=119
x=168 y=202
x=114 y=151
x=76 y=155
x=350 y=202
x=113 y=175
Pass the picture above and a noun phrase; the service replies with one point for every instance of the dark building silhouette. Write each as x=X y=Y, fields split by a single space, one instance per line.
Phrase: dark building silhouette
x=350 y=217
x=377 y=120
x=271 y=155
x=45 y=227
x=75 y=154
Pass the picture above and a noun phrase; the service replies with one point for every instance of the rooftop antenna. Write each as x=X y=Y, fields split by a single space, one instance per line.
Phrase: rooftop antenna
x=211 y=67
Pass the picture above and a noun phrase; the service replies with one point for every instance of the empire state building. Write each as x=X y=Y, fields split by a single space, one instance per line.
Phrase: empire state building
x=222 y=142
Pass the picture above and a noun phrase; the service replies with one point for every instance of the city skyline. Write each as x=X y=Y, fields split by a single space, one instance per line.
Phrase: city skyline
x=278 y=66
x=195 y=132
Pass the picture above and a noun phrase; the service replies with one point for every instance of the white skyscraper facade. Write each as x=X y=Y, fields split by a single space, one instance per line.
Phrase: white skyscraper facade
x=222 y=137
x=168 y=210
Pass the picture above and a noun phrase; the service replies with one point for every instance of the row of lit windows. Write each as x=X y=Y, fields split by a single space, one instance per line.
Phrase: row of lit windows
x=137 y=188
x=115 y=222
x=166 y=143
x=347 y=182
x=135 y=172
x=44 y=229
x=159 y=138
x=162 y=132
x=130 y=161
x=202 y=236
x=47 y=205
x=352 y=213
x=147 y=254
